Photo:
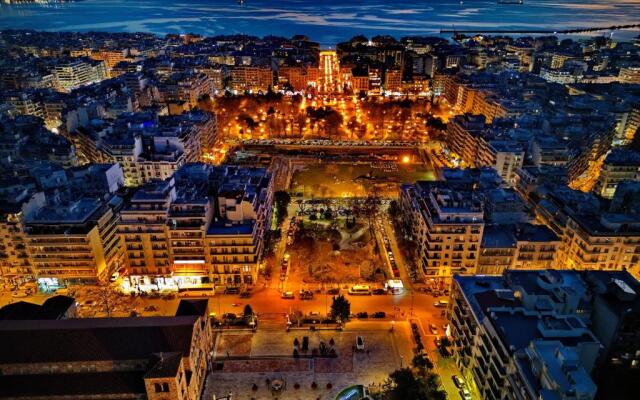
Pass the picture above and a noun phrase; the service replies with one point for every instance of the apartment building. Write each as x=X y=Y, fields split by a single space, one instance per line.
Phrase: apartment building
x=153 y=358
x=122 y=149
x=148 y=147
x=359 y=81
x=143 y=229
x=629 y=75
x=251 y=78
x=74 y=73
x=609 y=241
x=516 y=338
x=110 y=58
x=299 y=78
x=186 y=87
x=447 y=223
x=15 y=263
x=393 y=80
x=189 y=217
x=235 y=242
x=74 y=242
x=203 y=227
x=619 y=165
x=469 y=137
x=536 y=247
x=517 y=246
x=506 y=157
x=546 y=333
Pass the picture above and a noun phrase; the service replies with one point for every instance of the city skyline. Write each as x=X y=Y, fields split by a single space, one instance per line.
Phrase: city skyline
x=188 y=213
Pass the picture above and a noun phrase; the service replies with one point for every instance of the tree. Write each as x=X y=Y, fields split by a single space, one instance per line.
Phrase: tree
x=104 y=298
x=368 y=208
x=405 y=384
x=436 y=123
x=281 y=200
x=394 y=209
x=421 y=361
x=340 y=307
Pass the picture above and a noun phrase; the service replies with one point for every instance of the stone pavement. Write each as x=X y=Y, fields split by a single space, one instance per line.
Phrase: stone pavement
x=271 y=358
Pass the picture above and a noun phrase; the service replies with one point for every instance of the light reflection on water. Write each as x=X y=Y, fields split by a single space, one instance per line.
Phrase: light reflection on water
x=327 y=21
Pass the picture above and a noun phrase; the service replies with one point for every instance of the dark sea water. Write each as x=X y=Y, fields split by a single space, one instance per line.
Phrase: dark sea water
x=326 y=21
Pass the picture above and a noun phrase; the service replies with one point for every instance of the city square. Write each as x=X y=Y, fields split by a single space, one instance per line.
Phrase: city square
x=202 y=204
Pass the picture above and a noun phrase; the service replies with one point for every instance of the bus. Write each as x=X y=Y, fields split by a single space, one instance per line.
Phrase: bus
x=360 y=290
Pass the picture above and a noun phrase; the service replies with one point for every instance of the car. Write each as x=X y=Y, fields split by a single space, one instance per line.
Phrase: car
x=362 y=314
x=306 y=295
x=433 y=328
x=458 y=381
x=465 y=394
x=360 y=343
x=379 y=314
x=288 y=295
x=245 y=294
x=438 y=341
x=333 y=291
x=379 y=291
x=441 y=303
x=231 y=290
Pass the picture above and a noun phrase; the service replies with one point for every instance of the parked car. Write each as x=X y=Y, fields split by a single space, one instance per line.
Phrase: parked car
x=441 y=303
x=245 y=294
x=458 y=381
x=231 y=290
x=465 y=394
x=288 y=295
x=362 y=314
x=333 y=291
x=360 y=343
x=379 y=314
x=379 y=291
x=433 y=328
x=306 y=295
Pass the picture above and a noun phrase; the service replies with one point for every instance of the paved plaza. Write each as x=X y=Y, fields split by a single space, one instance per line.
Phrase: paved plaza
x=268 y=355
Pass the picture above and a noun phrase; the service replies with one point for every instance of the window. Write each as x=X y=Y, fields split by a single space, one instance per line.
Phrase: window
x=161 y=387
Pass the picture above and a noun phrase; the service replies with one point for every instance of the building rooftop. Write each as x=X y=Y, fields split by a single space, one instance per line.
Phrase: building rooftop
x=166 y=366
x=623 y=157
x=101 y=339
x=498 y=237
x=222 y=228
x=83 y=385
x=535 y=233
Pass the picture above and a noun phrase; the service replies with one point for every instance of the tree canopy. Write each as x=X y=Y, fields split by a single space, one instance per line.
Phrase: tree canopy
x=340 y=307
